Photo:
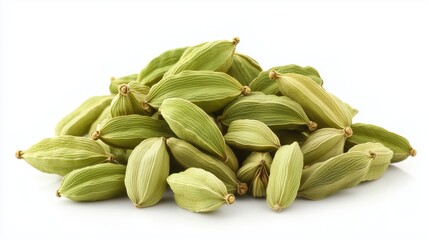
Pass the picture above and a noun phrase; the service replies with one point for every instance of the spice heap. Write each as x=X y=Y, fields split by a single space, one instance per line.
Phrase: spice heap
x=209 y=123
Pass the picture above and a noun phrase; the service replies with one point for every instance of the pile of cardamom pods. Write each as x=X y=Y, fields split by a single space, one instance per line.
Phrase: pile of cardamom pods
x=208 y=123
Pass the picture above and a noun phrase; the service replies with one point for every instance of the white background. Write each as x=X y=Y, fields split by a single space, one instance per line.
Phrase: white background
x=55 y=54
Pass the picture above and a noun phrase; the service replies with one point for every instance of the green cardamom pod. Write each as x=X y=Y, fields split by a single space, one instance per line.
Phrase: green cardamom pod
x=129 y=100
x=157 y=67
x=189 y=156
x=275 y=111
x=255 y=171
x=63 y=154
x=208 y=90
x=130 y=130
x=340 y=172
x=215 y=56
x=197 y=190
x=316 y=101
x=263 y=83
x=102 y=118
x=324 y=143
x=285 y=175
x=147 y=170
x=94 y=183
x=380 y=155
x=287 y=137
x=252 y=135
x=115 y=82
x=78 y=122
x=244 y=68
x=363 y=133
x=192 y=124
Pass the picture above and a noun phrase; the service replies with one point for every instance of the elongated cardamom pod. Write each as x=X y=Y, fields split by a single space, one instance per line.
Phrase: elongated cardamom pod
x=115 y=82
x=78 y=122
x=244 y=68
x=129 y=100
x=285 y=175
x=209 y=90
x=214 y=56
x=63 y=154
x=147 y=170
x=197 y=190
x=363 y=133
x=94 y=183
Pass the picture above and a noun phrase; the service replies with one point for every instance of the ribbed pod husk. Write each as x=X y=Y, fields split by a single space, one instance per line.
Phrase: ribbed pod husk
x=244 y=68
x=255 y=171
x=94 y=183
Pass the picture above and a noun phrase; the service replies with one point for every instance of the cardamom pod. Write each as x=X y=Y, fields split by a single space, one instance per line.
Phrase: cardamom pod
x=380 y=155
x=197 y=190
x=189 y=156
x=94 y=183
x=324 y=143
x=191 y=123
x=262 y=82
x=157 y=67
x=115 y=82
x=215 y=56
x=287 y=137
x=78 y=122
x=130 y=130
x=400 y=146
x=147 y=170
x=102 y=118
x=316 y=102
x=129 y=100
x=209 y=90
x=252 y=135
x=275 y=111
x=285 y=175
x=63 y=154
x=255 y=171
x=231 y=160
x=244 y=68
x=340 y=172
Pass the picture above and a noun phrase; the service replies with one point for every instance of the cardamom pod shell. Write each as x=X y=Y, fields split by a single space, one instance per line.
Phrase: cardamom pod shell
x=147 y=170
x=244 y=68
x=209 y=90
x=94 y=183
x=78 y=122
x=285 y=175
x=255 y=171
x=340 y=172
x=192 y=124
x=252 y=135
x=115 y=82
x=63 y=154
x=380 y=155
x=129 y=100
x=263 y=83
x=316 y=101
x=130 y=130
x=197 y=190
x=276 y=112
x=189 y=156
x=400 y=146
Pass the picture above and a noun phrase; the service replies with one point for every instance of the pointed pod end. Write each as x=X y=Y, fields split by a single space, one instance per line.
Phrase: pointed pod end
x=413 y=152
x=312 y=126
x=111 y=159
x=348 y=132
x=112 y=79
x=95 y=135
x=18 y=154
x=242 y=188
x=277 y=208
x=235 y=40
x=145 y=105
x=58 y=193
x=246 y=90
x=123 y=89
x=273 y=75
x=230 y=199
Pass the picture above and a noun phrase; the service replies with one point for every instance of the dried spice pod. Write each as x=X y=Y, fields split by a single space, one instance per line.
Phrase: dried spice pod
x=129 y=100
x=78 y=122
x=277 y=112
x=197 y=190
x=94 y=183
x=63 y=154
x=209 y=90
x=244 y=68
x=115 y=82
x=255 y=171
x=130 y=130
x=400 y=146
